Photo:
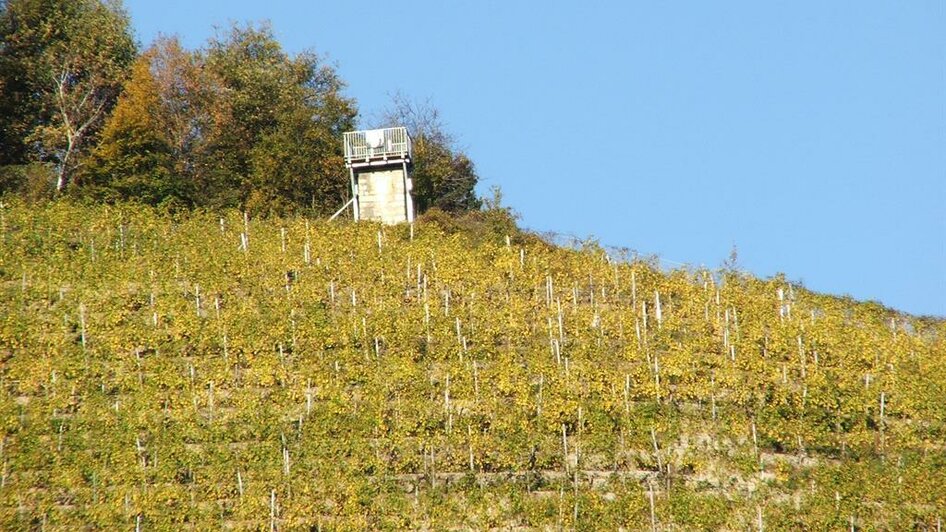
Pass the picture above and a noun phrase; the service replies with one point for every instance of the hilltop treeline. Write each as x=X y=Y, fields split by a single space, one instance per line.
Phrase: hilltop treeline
x=239 y=122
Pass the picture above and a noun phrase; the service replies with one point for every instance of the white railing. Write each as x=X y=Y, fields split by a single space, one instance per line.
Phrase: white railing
x=375 y=144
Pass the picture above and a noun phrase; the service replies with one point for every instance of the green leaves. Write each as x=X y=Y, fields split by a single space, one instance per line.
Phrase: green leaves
x=279 y=141
x=66 y=62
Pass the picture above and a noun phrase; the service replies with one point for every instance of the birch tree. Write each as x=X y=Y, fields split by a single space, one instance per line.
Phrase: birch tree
x=70 y=57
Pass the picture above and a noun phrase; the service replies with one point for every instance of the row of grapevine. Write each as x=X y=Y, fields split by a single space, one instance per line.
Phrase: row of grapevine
x=213 y=371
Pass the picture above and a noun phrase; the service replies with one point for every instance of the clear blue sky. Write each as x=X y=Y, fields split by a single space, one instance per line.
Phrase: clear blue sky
x=810 y=134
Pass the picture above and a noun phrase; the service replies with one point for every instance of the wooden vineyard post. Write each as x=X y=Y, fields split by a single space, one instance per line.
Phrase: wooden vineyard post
x=82 y=325
x=883 y=421
x=575 y=485
x=653 y=439
x=272 y=511
x=801 y=358
x=210 y=399
x=476 y=383
x=755 y=445
x=658 y=312
x=226 y=353
x=561 y=329
x=469 y=436
x=713 y=394
x=644 y=318
x=446 y=404
x=285 y=461
x=565 y=447
x=653 y=510
x=627 y=391
x=538 y=400
x=657 y=376
x=578 y=442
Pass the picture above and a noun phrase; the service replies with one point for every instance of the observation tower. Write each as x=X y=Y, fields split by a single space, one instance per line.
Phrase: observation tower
x=379 y=166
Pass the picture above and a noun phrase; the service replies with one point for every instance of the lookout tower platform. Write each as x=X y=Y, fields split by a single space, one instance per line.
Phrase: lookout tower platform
x=379 y=165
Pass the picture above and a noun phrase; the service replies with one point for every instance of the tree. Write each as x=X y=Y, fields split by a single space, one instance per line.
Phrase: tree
x=275 y=146
x=190 y=102
x=444 y=176
x=62 y=64
x=135 y=158
x=237 y=124
x=151 y=146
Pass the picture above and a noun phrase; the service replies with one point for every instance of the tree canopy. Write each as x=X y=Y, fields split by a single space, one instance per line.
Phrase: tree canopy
x=62 y=66
x=238 y=122
x=134 y=158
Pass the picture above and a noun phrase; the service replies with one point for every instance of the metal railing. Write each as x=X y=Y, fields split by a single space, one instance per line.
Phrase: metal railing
x=375 y=144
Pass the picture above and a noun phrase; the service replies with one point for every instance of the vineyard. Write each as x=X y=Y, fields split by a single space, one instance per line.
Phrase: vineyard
x=194 y=371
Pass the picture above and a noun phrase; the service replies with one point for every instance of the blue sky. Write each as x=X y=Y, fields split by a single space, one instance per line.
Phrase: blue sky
x=810 y=135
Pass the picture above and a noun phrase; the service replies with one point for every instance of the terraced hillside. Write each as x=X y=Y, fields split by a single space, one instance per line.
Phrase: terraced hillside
x=195 y=372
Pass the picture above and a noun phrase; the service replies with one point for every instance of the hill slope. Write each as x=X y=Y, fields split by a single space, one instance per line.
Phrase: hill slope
x=206 y=373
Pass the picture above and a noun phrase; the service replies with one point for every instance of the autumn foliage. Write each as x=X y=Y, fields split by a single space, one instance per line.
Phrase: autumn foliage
x=222 y=371
x=238 y=122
